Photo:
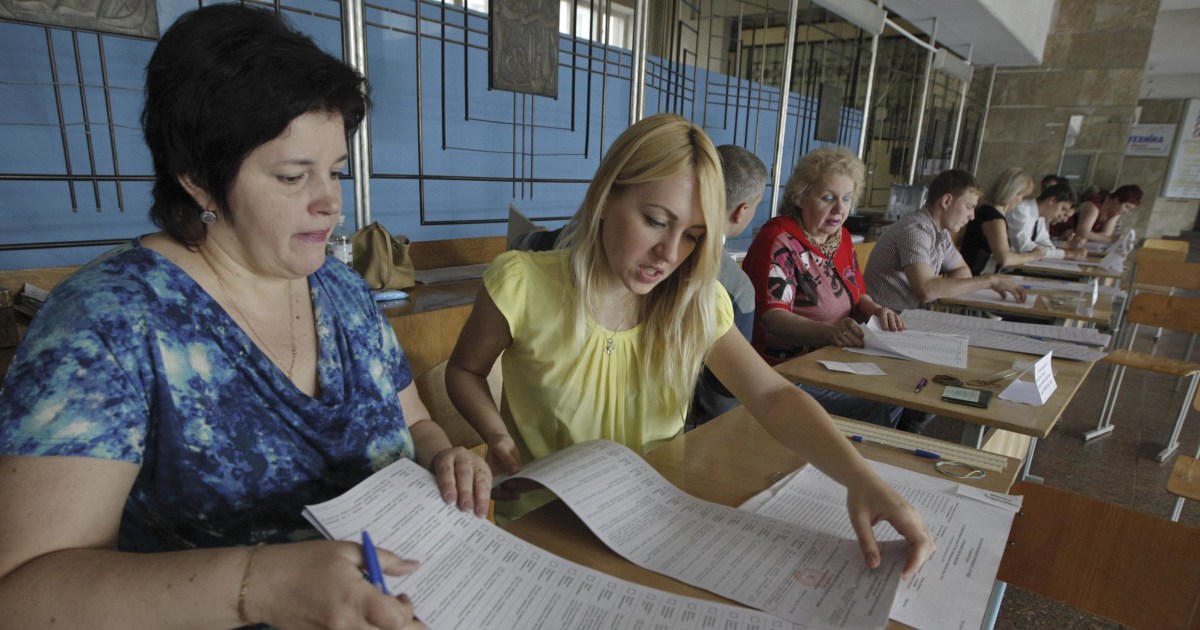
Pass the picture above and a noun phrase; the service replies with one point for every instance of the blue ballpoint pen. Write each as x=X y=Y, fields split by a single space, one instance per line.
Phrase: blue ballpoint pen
x=372 y=560
x=915 y=451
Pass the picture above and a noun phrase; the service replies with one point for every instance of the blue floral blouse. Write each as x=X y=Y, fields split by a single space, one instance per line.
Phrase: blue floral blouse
x=131 y=360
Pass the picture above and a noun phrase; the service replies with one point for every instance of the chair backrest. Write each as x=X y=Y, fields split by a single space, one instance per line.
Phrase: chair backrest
x=432 y=387
x=1112 y=561
x=1165 y=311
x=1161 y=273
x=1144 y=254
x=863 y=251
x=1167 y=244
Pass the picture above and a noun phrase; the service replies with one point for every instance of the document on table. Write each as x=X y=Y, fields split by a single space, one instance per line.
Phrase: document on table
x=861 y=369
x=970 y=526
x=1055 y=265
x=928 y=347
x=475 y=575
x=1012 y=336
x=989 y=296
x=1065 y=286
x=777 y=566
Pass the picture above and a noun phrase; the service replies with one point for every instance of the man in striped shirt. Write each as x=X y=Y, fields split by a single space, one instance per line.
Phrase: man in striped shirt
x=915 y=262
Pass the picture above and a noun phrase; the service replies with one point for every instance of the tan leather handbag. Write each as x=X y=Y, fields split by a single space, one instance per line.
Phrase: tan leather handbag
x=382 y=259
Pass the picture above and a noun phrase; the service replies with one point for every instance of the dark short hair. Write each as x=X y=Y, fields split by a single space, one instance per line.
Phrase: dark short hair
x=1059 y=192
x=955 y=182
x=224 y=80
x=1129 y=193
x=1052 y=177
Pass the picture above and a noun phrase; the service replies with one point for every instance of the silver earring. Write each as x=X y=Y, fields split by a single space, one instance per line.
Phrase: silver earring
x=208 y=216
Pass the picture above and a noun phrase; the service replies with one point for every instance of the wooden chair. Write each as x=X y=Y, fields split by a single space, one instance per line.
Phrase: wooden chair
x=1164 y=244
x=432 y=387
x=1184 y=481
x=1133 y=568
x=863 y=252
x=1152 y=309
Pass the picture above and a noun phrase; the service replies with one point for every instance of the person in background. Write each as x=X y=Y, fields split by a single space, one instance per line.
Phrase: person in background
x=915 y=263
x=985 y=239
x=605 y=338
x=1052 y=179
x=1098 y=215
x=1029 y=224
x=178 y=401
x=745 y=179
x=808 y=287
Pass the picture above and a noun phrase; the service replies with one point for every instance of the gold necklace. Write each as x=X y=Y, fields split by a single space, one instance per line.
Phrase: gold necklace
x=291 y=319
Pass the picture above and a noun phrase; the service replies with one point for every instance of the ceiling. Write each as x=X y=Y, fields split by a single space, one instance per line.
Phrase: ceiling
x=1013 y=33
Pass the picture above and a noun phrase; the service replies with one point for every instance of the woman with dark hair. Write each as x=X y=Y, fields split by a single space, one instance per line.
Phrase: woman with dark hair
x=1097 y=216
x=177 y=402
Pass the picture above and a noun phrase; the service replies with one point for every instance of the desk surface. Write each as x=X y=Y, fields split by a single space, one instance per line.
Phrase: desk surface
x=902 y=376
x=725 y=461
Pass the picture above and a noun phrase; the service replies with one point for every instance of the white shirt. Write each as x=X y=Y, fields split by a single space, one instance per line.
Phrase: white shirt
x=1027 y=231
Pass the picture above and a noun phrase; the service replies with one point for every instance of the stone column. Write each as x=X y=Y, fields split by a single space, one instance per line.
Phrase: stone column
x=1093 y=64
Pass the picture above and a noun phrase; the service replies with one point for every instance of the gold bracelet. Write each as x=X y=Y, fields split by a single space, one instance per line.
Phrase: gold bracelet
x=241 y=604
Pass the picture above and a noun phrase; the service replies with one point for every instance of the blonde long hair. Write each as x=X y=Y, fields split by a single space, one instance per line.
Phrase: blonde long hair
x=679 y=316
x=1008 y=184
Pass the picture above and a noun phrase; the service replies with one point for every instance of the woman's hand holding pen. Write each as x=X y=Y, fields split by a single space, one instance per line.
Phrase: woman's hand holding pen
x=875 y=501
x=320 y=584
x=463 y=478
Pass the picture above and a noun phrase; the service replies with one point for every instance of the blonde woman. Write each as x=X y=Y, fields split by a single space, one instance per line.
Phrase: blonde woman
x=985 y=239
x=604 y=338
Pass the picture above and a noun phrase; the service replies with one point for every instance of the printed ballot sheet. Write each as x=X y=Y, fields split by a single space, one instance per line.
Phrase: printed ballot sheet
x=935 y=348
x=795 y=573
x=475 y=575
x=970 y=526
x=988 y=296
x=1012 y=336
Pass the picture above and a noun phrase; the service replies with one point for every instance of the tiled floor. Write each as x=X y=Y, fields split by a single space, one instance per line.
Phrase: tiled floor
x=1120 y=468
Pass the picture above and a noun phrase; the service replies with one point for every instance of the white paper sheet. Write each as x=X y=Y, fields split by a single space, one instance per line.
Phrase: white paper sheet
x=1021 y=337
x=773 y=565
x=475 y=575
x=970 y=526
x=1038 y=391
x=862 y=369
x=1055 y=265
x=1065 y=286
x=928 y=347
x=991 y=297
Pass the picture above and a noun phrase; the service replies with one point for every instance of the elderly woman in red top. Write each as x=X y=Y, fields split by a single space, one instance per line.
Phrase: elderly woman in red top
x=808 y=287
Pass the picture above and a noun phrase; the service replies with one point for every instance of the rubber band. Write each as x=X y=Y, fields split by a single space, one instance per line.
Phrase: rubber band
x=959 y=470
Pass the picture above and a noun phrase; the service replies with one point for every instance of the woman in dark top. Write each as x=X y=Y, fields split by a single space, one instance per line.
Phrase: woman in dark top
x=985 y=239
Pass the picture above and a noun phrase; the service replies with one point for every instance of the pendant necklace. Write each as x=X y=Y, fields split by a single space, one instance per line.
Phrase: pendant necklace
x=609 y=340
x=291 y=319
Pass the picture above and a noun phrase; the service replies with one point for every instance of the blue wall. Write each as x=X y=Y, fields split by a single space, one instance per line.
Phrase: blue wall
x=432 y=121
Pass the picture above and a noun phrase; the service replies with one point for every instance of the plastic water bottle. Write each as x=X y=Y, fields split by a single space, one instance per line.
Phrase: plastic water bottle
x=339 y=245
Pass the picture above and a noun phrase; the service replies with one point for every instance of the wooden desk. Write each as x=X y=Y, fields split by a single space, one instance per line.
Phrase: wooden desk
x=902 y=376
x=726 y=461
x=1052 y=304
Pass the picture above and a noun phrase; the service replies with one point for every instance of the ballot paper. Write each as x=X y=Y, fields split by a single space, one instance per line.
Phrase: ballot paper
x=1012 y=336
x=970 y=527
x=779 y=567
x=475 y=575
x=935 y=348
x=989 y=296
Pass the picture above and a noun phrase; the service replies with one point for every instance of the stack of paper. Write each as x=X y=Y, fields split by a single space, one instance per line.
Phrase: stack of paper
x=1012 y=336
x=913 y=345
